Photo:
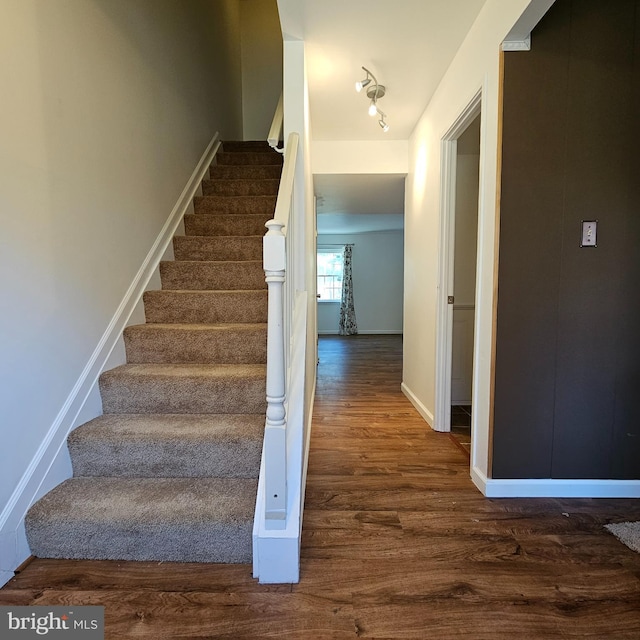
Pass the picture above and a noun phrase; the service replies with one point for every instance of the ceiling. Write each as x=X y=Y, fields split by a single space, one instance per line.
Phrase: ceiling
x=408 y=45
x=357 y=203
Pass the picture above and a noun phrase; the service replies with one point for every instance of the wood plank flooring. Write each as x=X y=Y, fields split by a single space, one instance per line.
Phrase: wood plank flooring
x=397 y=543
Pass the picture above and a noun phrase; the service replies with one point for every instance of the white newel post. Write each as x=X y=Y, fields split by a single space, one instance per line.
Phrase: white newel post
x=276 y=425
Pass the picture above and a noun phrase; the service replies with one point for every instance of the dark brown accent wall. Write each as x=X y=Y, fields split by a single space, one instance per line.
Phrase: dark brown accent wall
x=567 y=387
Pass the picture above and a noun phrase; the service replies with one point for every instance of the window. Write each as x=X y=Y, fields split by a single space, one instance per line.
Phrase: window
x=329 y=275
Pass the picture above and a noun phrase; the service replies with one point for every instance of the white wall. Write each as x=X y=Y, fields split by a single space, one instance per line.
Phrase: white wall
x=107 y=105
x=359 y=156
x=276 y=555
x=377 y=282
x=475 y=67
x=261 y=66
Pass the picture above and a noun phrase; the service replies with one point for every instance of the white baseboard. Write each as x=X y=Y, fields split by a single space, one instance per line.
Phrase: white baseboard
x=365 y=332
x=422 y=410
x=553 y=488
x=50 y=465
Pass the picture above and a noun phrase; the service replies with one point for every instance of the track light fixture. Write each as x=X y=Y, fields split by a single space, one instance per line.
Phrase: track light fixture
x=383 y=125
x=374 y=93
x=361 y=84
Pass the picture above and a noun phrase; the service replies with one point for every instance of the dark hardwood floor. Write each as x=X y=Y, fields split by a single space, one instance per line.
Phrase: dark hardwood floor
x=461 y=427
x=397 y=543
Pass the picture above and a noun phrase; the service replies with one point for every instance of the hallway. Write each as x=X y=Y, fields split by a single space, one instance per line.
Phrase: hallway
x=396 y=531
x=397 y=543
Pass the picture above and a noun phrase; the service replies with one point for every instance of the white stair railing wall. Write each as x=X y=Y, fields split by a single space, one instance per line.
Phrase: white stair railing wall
x=278 y=516
x=277 y=534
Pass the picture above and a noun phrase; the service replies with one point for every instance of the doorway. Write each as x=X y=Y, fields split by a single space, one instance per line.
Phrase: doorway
x=457 y=275
x=464 y=282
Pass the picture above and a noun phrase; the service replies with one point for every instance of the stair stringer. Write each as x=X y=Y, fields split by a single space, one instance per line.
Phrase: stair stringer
x=50 y=465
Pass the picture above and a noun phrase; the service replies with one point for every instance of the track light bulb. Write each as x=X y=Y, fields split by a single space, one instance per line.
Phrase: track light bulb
x=360 y=85
x=373 y=109
x=383 y=125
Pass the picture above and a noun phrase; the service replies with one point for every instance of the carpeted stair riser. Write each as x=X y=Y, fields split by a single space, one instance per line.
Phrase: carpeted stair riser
x=247 y=145
x=202 y=224
x=242 y=172
x=248 y=158
x=227 y=248
x=168 y=519
x=184 y=388
x=196 y=343
x=212 y=275
x=190 y=307
x=263 y=204
x=240 y=187
x=168 y=445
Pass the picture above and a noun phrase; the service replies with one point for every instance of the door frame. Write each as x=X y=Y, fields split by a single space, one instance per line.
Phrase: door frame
x=444 y=310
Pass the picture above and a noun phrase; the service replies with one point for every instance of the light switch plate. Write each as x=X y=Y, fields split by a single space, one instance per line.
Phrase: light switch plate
x=589 y=233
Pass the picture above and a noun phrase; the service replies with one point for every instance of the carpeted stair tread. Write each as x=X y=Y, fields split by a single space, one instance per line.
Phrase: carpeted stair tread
x=218 y=247
x=249 y=157
x=168 y=445
x=198 y=343
x=202 y=224
x=242 y=204
x=190 y=307
x=242 y=187
x=182 y=274
x=184 y=388
x=244 y=172
x=159 y=519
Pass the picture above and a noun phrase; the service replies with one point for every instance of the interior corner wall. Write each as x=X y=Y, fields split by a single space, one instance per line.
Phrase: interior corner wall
x=106 y=109
x=377 y=282
x=568 y=345
x=261 y=66
x=474 y=68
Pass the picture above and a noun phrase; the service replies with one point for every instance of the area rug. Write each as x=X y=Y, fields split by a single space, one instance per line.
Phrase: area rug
x=627 y=532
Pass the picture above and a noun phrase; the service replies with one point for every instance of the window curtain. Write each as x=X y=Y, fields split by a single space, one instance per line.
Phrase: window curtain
x=347 y=325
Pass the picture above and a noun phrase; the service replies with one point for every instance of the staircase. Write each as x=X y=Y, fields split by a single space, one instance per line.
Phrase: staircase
x=169 y=472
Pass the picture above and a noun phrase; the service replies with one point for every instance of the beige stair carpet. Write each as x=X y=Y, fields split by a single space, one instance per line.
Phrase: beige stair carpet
x=169 y=472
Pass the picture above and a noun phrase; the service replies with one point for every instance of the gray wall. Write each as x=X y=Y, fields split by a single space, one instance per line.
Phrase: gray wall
x=261 y=66
x=465 y=257
x=377 y=282
x=568 y=349
x=107 y=106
